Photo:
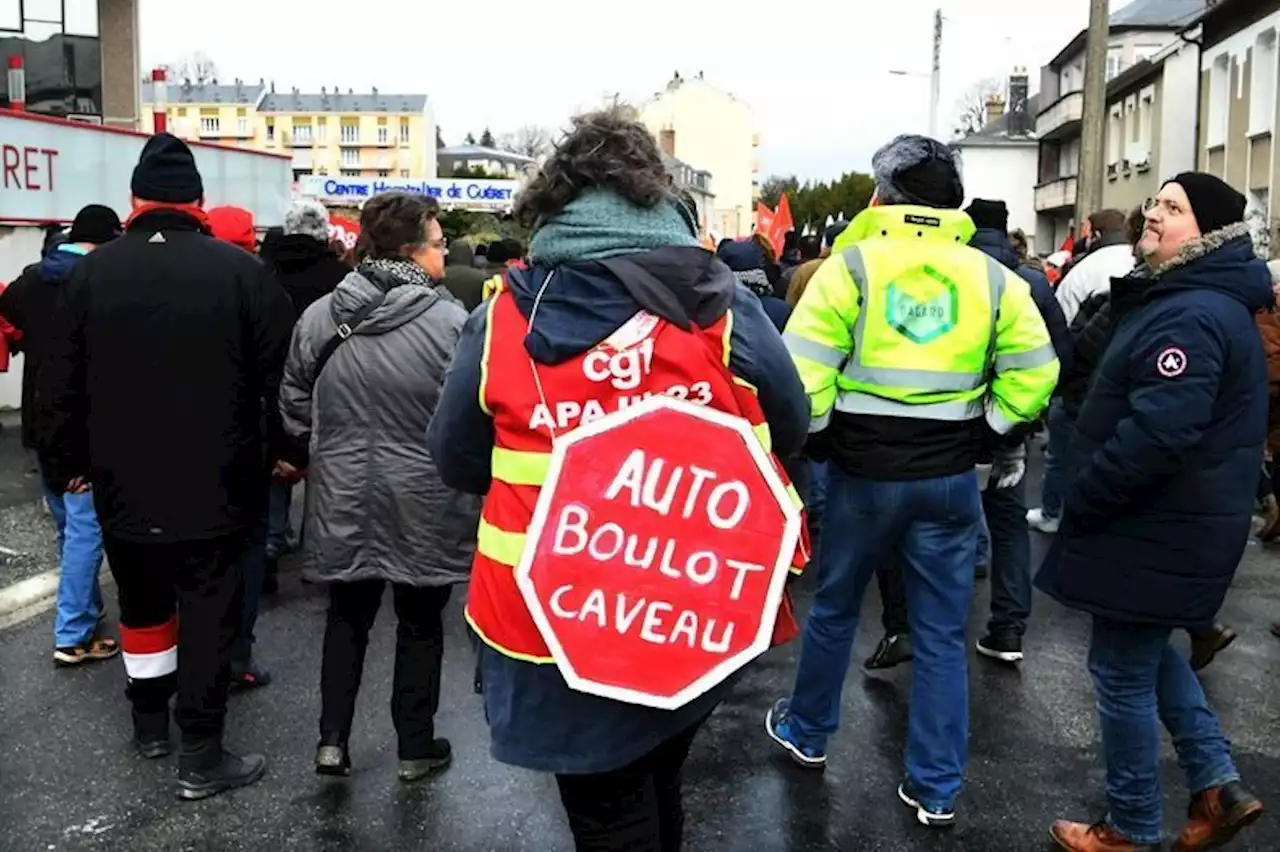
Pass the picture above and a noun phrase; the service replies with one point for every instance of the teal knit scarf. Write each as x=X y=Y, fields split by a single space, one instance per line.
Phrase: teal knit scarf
x=600 y=224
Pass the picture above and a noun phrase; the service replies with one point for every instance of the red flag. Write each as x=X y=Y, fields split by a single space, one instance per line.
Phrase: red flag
x=764 y=218
x=782 y=222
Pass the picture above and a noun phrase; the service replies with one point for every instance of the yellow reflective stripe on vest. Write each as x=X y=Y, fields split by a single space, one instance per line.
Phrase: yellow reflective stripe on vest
x=795 y=497
x=726 y=342
x=955 y=410
x=506 y=652
x=499 y=545
x=895 y=377
x=484 y=355
x=519 y=467
x=764 y=436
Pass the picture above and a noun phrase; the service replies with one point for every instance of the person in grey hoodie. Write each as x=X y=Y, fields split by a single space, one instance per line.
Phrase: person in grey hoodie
x=377 y=512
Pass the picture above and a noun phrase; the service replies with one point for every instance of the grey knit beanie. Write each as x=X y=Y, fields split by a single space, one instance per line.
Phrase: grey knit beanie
x=308 y=217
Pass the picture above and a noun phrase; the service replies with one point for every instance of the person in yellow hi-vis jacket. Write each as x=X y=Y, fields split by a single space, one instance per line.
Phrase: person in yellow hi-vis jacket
x=920 y=355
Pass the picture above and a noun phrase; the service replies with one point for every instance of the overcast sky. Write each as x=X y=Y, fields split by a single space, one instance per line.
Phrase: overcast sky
x=818 y=80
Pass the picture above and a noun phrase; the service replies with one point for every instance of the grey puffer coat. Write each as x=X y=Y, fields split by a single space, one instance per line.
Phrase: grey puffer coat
x=375 y=506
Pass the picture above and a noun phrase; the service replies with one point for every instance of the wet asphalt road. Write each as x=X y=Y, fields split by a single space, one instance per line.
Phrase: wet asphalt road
x=69 y=781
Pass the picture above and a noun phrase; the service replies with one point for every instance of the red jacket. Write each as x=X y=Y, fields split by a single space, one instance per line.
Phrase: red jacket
x=10 y=337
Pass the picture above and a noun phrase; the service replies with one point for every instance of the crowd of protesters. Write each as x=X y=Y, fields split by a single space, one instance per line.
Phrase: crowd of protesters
x=367 y=375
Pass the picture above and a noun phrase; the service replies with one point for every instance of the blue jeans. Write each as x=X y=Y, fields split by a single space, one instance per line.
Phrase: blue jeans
x=1138 y=677
x=278 y=500
x=80 y=559
x=931 y=524
x=1010 y=542
x=1057 y=457
x=817 y=489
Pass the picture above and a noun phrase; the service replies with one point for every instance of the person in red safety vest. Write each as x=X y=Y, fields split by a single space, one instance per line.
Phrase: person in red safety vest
x=614 y=258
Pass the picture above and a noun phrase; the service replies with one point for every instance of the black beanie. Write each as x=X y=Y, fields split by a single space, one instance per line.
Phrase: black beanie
x=1214 y=203
x=95 y=224
x=989 y=214
x=166 y=172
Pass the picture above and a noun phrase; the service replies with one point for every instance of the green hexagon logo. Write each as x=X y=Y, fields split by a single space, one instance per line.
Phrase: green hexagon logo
x=922 y=306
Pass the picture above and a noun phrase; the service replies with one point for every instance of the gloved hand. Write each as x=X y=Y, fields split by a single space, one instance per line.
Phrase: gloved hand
x=1009 y=465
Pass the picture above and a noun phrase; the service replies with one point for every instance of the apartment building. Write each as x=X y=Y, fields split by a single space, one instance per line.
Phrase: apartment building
x=1138 y=32
x=711 y=131
x=1239 y=80
x=346 y=134
x=80 y=58
x=697 y=183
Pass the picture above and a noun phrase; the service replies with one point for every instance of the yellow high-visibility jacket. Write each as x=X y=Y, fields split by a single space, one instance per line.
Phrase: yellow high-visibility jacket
x=905 y=319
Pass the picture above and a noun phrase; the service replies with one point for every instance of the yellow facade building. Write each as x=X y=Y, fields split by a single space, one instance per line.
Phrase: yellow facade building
x=330 y=133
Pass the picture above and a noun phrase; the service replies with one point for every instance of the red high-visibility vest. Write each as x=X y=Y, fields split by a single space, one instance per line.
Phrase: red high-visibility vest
x=691 y=365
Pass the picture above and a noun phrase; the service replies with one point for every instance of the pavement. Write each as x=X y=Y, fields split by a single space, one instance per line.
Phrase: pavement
x=27 y=547
x=69 y=780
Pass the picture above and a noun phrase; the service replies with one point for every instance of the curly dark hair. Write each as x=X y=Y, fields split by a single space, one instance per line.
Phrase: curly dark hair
x=394 y=224
x=607 y=149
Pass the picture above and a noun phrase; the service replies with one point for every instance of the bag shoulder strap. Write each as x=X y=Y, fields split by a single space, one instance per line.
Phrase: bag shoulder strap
x=345 y=330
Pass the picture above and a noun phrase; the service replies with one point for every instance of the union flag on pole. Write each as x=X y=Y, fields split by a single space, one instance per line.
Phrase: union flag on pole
x=782 y=222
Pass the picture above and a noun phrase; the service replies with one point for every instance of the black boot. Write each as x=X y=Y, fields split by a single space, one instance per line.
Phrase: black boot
x=893 y=650
x=332 y=756
x=437 y=757
x=206 y=770
x=151 y=734
x=271 y=576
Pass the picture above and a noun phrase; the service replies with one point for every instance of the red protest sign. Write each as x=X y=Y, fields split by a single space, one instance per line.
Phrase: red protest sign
x=655 y=567
x=345 y=230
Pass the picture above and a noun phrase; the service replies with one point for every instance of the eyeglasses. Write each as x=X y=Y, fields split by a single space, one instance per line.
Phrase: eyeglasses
x=441 y=244
x=1165 y=206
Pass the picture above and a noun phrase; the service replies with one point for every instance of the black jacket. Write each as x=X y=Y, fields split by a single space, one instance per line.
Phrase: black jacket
x=306 y=269
x=160 y=361
x=1090 y=333
x=29 y=304
x=1168 y=443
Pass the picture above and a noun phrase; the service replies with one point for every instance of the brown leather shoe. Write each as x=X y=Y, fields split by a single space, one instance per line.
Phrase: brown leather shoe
x=1205 y=646
x=1099 y=837
x=1270 y=528
x=1216 y=816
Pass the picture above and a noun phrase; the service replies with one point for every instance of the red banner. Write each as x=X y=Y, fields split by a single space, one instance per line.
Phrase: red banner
x=346 y=230
x=782 y=223
x=655 y=568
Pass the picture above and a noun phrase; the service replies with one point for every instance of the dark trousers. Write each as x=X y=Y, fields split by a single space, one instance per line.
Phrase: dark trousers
x=636 y=808
x=415 y=692
x=253 y=569
x=172 y=596
x=893 y=595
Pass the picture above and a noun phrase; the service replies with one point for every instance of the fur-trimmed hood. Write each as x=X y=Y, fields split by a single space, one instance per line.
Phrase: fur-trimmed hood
x=1222 y=260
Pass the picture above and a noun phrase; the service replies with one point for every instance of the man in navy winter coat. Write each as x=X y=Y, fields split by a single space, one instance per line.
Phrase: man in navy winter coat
x=1168 y=445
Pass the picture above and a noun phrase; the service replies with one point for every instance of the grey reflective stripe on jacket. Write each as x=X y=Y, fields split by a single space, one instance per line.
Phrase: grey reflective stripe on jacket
x=375 y=506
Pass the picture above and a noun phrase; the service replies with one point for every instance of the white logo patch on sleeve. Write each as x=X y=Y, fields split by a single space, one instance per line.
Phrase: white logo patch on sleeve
x=1171 y=362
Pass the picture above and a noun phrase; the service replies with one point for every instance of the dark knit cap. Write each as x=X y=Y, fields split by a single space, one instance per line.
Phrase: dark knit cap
x=833 y=232
x=1215 y=204
x=920 y=171
x=167 y=172
x=95 y=224
x=989 y=214
x=741 y=255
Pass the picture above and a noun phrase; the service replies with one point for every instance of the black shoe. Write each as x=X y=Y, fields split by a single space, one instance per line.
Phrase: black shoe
x=151 y=734
x=271 y=577
x=1005 y=647
x=333 y=760
x=214 y=771
x=248 y=676
x=1205 y=646
x=438 y=757
x=893 y=650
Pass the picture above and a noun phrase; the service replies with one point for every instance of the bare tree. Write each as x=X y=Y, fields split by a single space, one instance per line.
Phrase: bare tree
x=529 y=140
x=195 y=68
x=971 y=109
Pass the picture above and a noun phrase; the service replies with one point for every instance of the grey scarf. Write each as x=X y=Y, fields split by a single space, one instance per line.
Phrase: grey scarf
x=389 y=272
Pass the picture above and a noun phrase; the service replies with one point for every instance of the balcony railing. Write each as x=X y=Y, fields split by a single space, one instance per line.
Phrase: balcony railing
x=1056 y=194
x=1061 y=117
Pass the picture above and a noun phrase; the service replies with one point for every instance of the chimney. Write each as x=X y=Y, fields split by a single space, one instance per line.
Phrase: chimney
x=667 y=142
x=1021 y=122
x=995 y=107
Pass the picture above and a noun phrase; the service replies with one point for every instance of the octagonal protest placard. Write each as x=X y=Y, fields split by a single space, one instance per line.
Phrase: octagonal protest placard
x=658 y=552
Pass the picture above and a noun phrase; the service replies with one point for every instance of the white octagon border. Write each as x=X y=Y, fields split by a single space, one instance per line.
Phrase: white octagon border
x=777 y=584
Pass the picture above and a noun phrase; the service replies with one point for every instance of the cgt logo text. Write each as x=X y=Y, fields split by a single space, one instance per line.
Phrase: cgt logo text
x=484 y=193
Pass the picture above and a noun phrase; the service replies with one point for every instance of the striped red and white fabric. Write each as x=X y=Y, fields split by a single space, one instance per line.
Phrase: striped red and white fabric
x=150 y=652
